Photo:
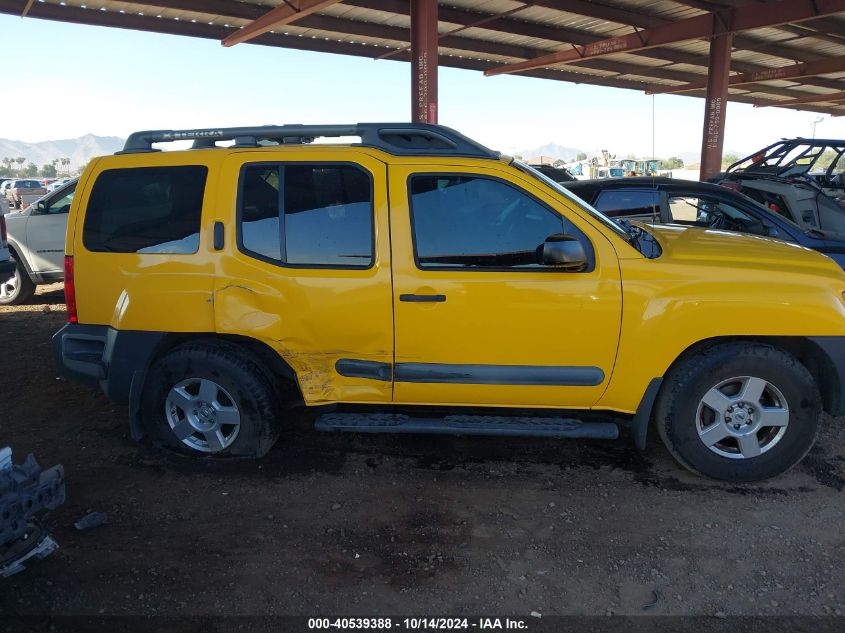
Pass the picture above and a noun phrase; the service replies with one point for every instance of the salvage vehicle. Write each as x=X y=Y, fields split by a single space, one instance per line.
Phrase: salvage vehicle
x=802 y=179
x=701 y=204
x=36 y=240
x=20 y=193
x=418 y=282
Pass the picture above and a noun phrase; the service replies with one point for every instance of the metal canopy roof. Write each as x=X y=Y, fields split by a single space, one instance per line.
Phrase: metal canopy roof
x=798 y=64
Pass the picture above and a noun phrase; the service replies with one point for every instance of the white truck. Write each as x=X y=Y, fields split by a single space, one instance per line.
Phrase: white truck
x=36 y=238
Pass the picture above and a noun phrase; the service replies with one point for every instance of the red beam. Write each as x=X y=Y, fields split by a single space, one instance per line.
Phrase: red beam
x=832 y=97
x=732 y=20
x=285 y=13
x=795 y=71
x=713 y=139
x=424 y=38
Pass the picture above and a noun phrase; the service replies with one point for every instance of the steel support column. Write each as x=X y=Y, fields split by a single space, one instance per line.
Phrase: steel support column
x=714 y=105
x=424 y=61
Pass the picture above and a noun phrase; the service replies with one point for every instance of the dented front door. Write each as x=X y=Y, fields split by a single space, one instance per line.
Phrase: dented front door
x=305 y=267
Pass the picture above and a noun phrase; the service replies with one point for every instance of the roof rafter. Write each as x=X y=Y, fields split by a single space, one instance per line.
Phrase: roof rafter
x=731 y=20
x=834 y=97
x=795 y=71
x=286 y=13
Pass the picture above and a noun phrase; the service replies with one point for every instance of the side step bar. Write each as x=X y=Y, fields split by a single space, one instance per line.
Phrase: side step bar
x=467 y=425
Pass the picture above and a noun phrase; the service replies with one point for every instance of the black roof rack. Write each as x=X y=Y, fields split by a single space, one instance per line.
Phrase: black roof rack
x=401 y=139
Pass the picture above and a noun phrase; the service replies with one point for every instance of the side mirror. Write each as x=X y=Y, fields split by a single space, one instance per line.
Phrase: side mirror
x=40 y=207
x=771 y=231
x=563 y=251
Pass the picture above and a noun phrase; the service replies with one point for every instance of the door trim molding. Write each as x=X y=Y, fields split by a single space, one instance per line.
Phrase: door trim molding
x=541 y=375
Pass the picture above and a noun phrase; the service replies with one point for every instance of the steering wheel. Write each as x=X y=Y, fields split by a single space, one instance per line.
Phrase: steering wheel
x=717 y=221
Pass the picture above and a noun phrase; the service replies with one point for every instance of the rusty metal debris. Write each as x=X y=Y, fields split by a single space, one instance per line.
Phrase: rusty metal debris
x=27 y=495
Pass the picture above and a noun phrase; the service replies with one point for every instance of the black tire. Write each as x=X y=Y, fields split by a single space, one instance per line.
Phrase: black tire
x=18 y=288
x=242 y=380
x=683 y=391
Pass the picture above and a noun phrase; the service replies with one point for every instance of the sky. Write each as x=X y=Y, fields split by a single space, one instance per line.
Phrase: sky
x=111 y=82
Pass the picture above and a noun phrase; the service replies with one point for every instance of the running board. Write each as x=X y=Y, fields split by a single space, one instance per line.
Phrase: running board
x=467 y=425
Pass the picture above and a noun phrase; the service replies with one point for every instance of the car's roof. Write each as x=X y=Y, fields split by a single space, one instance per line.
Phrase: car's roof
x=644 y=182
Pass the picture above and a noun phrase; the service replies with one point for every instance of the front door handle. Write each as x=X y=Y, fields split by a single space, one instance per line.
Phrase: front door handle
x=423 y=298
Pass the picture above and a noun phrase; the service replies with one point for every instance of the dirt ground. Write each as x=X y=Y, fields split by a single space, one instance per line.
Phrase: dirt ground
x=369 y=525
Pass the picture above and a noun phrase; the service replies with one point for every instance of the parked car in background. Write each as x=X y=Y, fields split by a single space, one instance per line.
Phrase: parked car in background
x=23 y=192
x=56 y=184
x=701 y=204
x=803 y=179
x=37 y=241
x=558 y=174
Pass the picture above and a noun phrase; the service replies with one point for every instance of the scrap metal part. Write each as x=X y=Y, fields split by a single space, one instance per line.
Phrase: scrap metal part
x=27 y=494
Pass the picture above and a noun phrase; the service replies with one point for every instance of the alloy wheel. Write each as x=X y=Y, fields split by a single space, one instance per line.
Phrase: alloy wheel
x=742 y=417
x=203 y=415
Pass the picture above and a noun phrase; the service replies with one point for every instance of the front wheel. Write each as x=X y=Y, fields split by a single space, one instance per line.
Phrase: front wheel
x=18 y=288
x=205 y=399
x=739 y=411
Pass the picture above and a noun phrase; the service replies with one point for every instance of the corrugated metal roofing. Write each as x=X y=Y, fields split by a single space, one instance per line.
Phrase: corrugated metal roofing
x=512 y=31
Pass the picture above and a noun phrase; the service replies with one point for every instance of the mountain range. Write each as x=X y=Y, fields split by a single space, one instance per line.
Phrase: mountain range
x=79 y=150
x=567 y=154
x=553 y=150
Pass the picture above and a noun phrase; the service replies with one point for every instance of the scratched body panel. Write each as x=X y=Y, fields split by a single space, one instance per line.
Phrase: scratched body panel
x=312 y=317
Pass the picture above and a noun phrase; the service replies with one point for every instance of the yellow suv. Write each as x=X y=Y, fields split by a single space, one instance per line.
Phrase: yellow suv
x=418 y=282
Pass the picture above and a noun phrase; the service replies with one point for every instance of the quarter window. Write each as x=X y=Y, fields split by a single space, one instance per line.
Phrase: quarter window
x=311 y=215
x=465 y=221
x=146 y=210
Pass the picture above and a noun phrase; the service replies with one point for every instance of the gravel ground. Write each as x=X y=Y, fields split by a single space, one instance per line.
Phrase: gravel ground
x=369 y=525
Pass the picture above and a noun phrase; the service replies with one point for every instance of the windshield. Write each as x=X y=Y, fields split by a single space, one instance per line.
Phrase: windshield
x=598 y=215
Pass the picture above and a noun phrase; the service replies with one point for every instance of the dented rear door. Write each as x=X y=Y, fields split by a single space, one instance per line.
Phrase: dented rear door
x=305 y=266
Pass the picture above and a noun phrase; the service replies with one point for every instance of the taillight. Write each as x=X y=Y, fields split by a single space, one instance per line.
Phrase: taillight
x=70 y=291
x=3 y=235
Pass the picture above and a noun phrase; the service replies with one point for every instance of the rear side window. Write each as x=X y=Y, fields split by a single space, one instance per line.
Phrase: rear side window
x=629 y=203
x=146 y=210
x=311 y=215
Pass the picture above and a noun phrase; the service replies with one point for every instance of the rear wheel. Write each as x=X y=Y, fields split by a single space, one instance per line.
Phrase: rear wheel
x=203 y=399
x=18 y=288
x=739 y=411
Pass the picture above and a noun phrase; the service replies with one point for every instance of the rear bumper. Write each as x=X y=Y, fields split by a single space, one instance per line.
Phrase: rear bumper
x=99 y=355
x=833 y=348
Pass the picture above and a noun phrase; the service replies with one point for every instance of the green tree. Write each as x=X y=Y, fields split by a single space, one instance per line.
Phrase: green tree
x=581 y=156
x=49 y=171
x=31 y=170
x=674 y=162
x=825 y=159
x=729 y=159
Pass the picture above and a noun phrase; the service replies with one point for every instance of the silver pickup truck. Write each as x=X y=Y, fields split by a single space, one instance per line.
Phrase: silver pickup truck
x=36 y=238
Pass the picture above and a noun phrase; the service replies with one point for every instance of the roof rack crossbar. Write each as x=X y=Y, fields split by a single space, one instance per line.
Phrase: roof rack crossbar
x=394 y=138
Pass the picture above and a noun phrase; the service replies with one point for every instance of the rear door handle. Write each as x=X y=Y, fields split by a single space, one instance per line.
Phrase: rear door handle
x=423 y=298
